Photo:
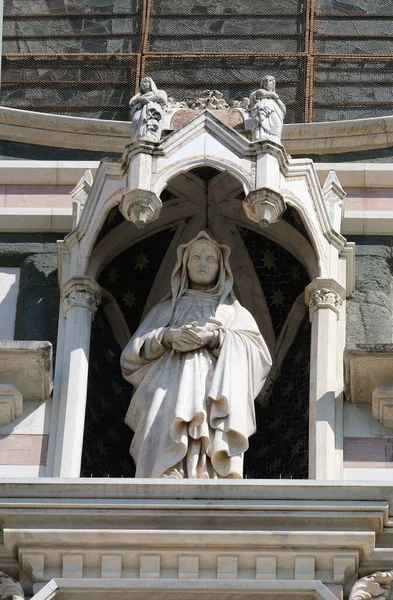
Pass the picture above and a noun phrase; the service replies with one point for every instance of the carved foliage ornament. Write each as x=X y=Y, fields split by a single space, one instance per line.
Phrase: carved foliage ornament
x=83 y=292
x=325 y=297
x=9 y=588
x=376 y=586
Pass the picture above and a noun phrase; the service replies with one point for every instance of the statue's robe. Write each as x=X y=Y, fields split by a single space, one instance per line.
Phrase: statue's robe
x=198 y=405
x=267 y=118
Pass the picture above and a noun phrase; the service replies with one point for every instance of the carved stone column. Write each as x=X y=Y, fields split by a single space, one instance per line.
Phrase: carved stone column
x=324 y=298
x=81 y=296
x=378 y=585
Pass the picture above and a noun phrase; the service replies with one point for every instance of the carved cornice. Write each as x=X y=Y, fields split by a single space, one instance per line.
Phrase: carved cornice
x=83 y=292
x=377 y=586
x=324 y=293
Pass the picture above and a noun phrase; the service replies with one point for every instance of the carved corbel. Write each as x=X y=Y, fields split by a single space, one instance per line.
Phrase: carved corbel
x=83 y=292
x=376 y=586
x=9 y=588
x=140 y=207
x=324 y=293
x=264 y=206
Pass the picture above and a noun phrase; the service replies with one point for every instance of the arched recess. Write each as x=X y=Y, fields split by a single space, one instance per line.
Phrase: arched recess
x=134 y=267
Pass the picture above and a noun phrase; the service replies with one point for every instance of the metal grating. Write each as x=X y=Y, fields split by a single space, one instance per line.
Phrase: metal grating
x=332 y=60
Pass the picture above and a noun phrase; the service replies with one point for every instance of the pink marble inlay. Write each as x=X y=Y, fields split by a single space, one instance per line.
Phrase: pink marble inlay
x=23 y=449
x=368 y=452
x=37 y=196
x=369 y=199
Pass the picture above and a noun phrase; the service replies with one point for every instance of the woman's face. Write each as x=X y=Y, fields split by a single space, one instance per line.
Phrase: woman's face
x=269 y=83
x=203 y=264
x=145 y=85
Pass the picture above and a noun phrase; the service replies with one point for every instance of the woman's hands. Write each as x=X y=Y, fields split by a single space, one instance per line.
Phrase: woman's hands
x=190 y=337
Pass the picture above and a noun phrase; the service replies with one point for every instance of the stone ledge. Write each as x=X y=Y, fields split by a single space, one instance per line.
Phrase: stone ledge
x=99 y=135
x=172 y=589
x=367 y=367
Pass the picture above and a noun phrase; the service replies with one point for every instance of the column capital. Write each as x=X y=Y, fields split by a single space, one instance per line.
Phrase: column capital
x=81 y=291
x=324 y=293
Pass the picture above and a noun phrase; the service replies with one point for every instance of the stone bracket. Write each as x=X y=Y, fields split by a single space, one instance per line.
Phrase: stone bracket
x=382 y=405
x=11 y=403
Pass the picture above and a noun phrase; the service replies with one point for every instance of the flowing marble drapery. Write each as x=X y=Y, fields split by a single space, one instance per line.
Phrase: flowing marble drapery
x=194 y=411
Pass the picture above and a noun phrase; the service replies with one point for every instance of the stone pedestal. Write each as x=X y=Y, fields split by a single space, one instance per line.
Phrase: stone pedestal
x=139 y=204
x=265 y=204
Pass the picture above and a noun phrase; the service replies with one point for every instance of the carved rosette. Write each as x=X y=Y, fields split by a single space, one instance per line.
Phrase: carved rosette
x=83 y=292
x=324 y=293
x=9 y=588
x=378 y=585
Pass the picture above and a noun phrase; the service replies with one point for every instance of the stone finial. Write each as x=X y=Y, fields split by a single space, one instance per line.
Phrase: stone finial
x=267 y=112
x=9 y=588
x=83 y=187
x=148 y=107
x=333 y=194
x=376 y=586
x=83 y=292
x=211 y=99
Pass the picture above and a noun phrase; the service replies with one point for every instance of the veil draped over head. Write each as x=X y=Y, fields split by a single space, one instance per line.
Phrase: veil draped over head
x=153 y=86
x=179 y=281
x=193 y=411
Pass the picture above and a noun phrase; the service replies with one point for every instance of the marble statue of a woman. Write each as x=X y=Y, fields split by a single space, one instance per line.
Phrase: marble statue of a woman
x=267 y=112
x=147 y=110
x=197 y=362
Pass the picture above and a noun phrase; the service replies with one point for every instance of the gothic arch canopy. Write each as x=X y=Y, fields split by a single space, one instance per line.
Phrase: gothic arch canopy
x=169 y=169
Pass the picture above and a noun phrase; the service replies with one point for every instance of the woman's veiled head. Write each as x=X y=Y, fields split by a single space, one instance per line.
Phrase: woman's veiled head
x=146 y=85
x=203 y=265
x=221 y=288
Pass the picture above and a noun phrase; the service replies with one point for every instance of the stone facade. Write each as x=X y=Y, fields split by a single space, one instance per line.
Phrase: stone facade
x=93 y=259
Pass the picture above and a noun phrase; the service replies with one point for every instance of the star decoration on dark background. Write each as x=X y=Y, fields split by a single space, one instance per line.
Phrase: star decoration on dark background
x=280 y=446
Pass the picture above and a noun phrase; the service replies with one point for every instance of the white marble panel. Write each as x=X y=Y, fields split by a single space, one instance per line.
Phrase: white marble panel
x=9 y=289
x=365 y=474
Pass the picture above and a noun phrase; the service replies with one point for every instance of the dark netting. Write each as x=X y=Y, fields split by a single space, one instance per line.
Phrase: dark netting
x=351 y=8
x=71 y=57
x=189 y=47
x=236 y=26
x=85 y=86
x=352 y=89
x=235 y=77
